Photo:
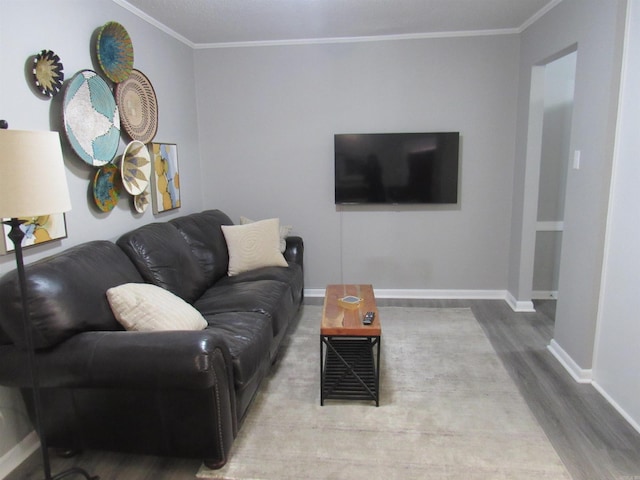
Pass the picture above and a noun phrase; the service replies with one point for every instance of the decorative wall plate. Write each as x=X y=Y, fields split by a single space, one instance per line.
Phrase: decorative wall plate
x=138 y=107
x=106 y=187
x=114 y=51
x=47 y=73
x=141 y=202
x=91 y=118
x=135 y=168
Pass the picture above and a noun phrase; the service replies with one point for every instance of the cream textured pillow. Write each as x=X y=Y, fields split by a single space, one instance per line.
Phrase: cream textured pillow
x=253 y=245
x=146 y=308
x=285 y=230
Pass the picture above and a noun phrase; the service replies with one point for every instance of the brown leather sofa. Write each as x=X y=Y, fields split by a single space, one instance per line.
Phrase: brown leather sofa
x=172 y=393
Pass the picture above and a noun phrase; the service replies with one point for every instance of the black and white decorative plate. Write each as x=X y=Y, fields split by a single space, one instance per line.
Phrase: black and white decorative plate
x=47 y=73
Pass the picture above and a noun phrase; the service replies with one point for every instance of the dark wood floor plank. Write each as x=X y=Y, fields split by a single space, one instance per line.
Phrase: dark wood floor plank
x=590 y=436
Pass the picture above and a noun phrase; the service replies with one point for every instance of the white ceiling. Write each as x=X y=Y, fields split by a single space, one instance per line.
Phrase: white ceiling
x=211 y=22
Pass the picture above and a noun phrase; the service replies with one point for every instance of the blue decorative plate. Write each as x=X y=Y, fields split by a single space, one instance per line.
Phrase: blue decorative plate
x=106 y=187
x=115 y=51
x=91 y=118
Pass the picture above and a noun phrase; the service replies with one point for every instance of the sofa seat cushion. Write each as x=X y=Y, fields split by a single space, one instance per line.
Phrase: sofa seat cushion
x=164 y=258
x=248 y=336
x=292 y=275
x=269 y=297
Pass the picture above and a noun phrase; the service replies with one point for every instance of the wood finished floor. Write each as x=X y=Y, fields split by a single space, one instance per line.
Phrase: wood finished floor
x=591 y=438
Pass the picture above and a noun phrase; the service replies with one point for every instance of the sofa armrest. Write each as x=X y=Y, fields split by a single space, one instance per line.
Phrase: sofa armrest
x=294 y=251
x=172 y=359
x=87 y=378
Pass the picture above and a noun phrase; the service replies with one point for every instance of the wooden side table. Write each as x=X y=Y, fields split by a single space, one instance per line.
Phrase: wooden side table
x=349 y=350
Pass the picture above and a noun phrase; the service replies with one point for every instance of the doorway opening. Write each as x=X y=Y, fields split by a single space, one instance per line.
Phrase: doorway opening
x=556 y=158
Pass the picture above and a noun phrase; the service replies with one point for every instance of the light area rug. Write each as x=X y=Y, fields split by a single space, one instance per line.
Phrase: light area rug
x=448 y=410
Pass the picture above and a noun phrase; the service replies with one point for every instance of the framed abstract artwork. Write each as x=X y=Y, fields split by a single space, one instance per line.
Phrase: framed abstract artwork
x=38 y=230
x=165 y=185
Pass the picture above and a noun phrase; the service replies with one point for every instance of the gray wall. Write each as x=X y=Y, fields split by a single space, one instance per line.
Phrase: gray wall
x=66 y=28
x=596 y=27
x=262 y=145
x=617 y=353
x=267 y=116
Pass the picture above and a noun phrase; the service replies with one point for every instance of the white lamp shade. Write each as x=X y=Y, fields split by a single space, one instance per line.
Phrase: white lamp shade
x=33 y=181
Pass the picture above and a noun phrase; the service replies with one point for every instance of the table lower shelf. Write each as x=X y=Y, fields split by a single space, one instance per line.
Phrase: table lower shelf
x=349 y=369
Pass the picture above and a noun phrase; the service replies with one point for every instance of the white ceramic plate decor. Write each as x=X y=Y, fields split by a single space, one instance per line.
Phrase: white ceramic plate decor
x=135 y=168
x=141 y=202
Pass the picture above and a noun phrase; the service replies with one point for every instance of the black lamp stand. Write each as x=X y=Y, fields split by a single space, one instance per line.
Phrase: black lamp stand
x=17 y=235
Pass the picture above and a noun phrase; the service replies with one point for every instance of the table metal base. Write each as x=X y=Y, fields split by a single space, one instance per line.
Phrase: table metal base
x=349 y=368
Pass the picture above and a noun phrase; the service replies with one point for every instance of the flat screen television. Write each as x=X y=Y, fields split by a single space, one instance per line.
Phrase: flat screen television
x=396 y=168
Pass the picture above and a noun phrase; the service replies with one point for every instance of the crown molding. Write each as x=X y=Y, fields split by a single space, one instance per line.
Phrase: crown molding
x=538 y=15
x=152 y=21
x=376 y=38
x=333 y=40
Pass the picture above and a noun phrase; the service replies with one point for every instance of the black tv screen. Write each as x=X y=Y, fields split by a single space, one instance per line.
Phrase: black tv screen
x=396 y=168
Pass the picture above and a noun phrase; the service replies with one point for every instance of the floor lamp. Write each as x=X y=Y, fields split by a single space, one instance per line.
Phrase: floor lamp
x=32 y=183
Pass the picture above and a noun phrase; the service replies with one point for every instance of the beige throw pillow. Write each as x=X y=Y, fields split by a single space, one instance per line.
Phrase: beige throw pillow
x=146 y=308
x=285 y=230
x=254 y=245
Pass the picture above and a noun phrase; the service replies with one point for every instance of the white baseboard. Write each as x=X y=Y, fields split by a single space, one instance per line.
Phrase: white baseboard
x=584 y=375
x=520 y=306
x=18 y=454
x=580 y=375
x=544 y=295
x=516 y=305
x=424 y=294
x=617 y=406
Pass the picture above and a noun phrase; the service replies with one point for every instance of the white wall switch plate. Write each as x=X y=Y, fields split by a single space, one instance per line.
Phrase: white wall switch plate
x=576 y=160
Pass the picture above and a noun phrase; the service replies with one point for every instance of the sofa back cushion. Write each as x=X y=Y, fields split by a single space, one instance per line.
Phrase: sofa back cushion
x=66 y=293
x=163 y=257
x=203 y=233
